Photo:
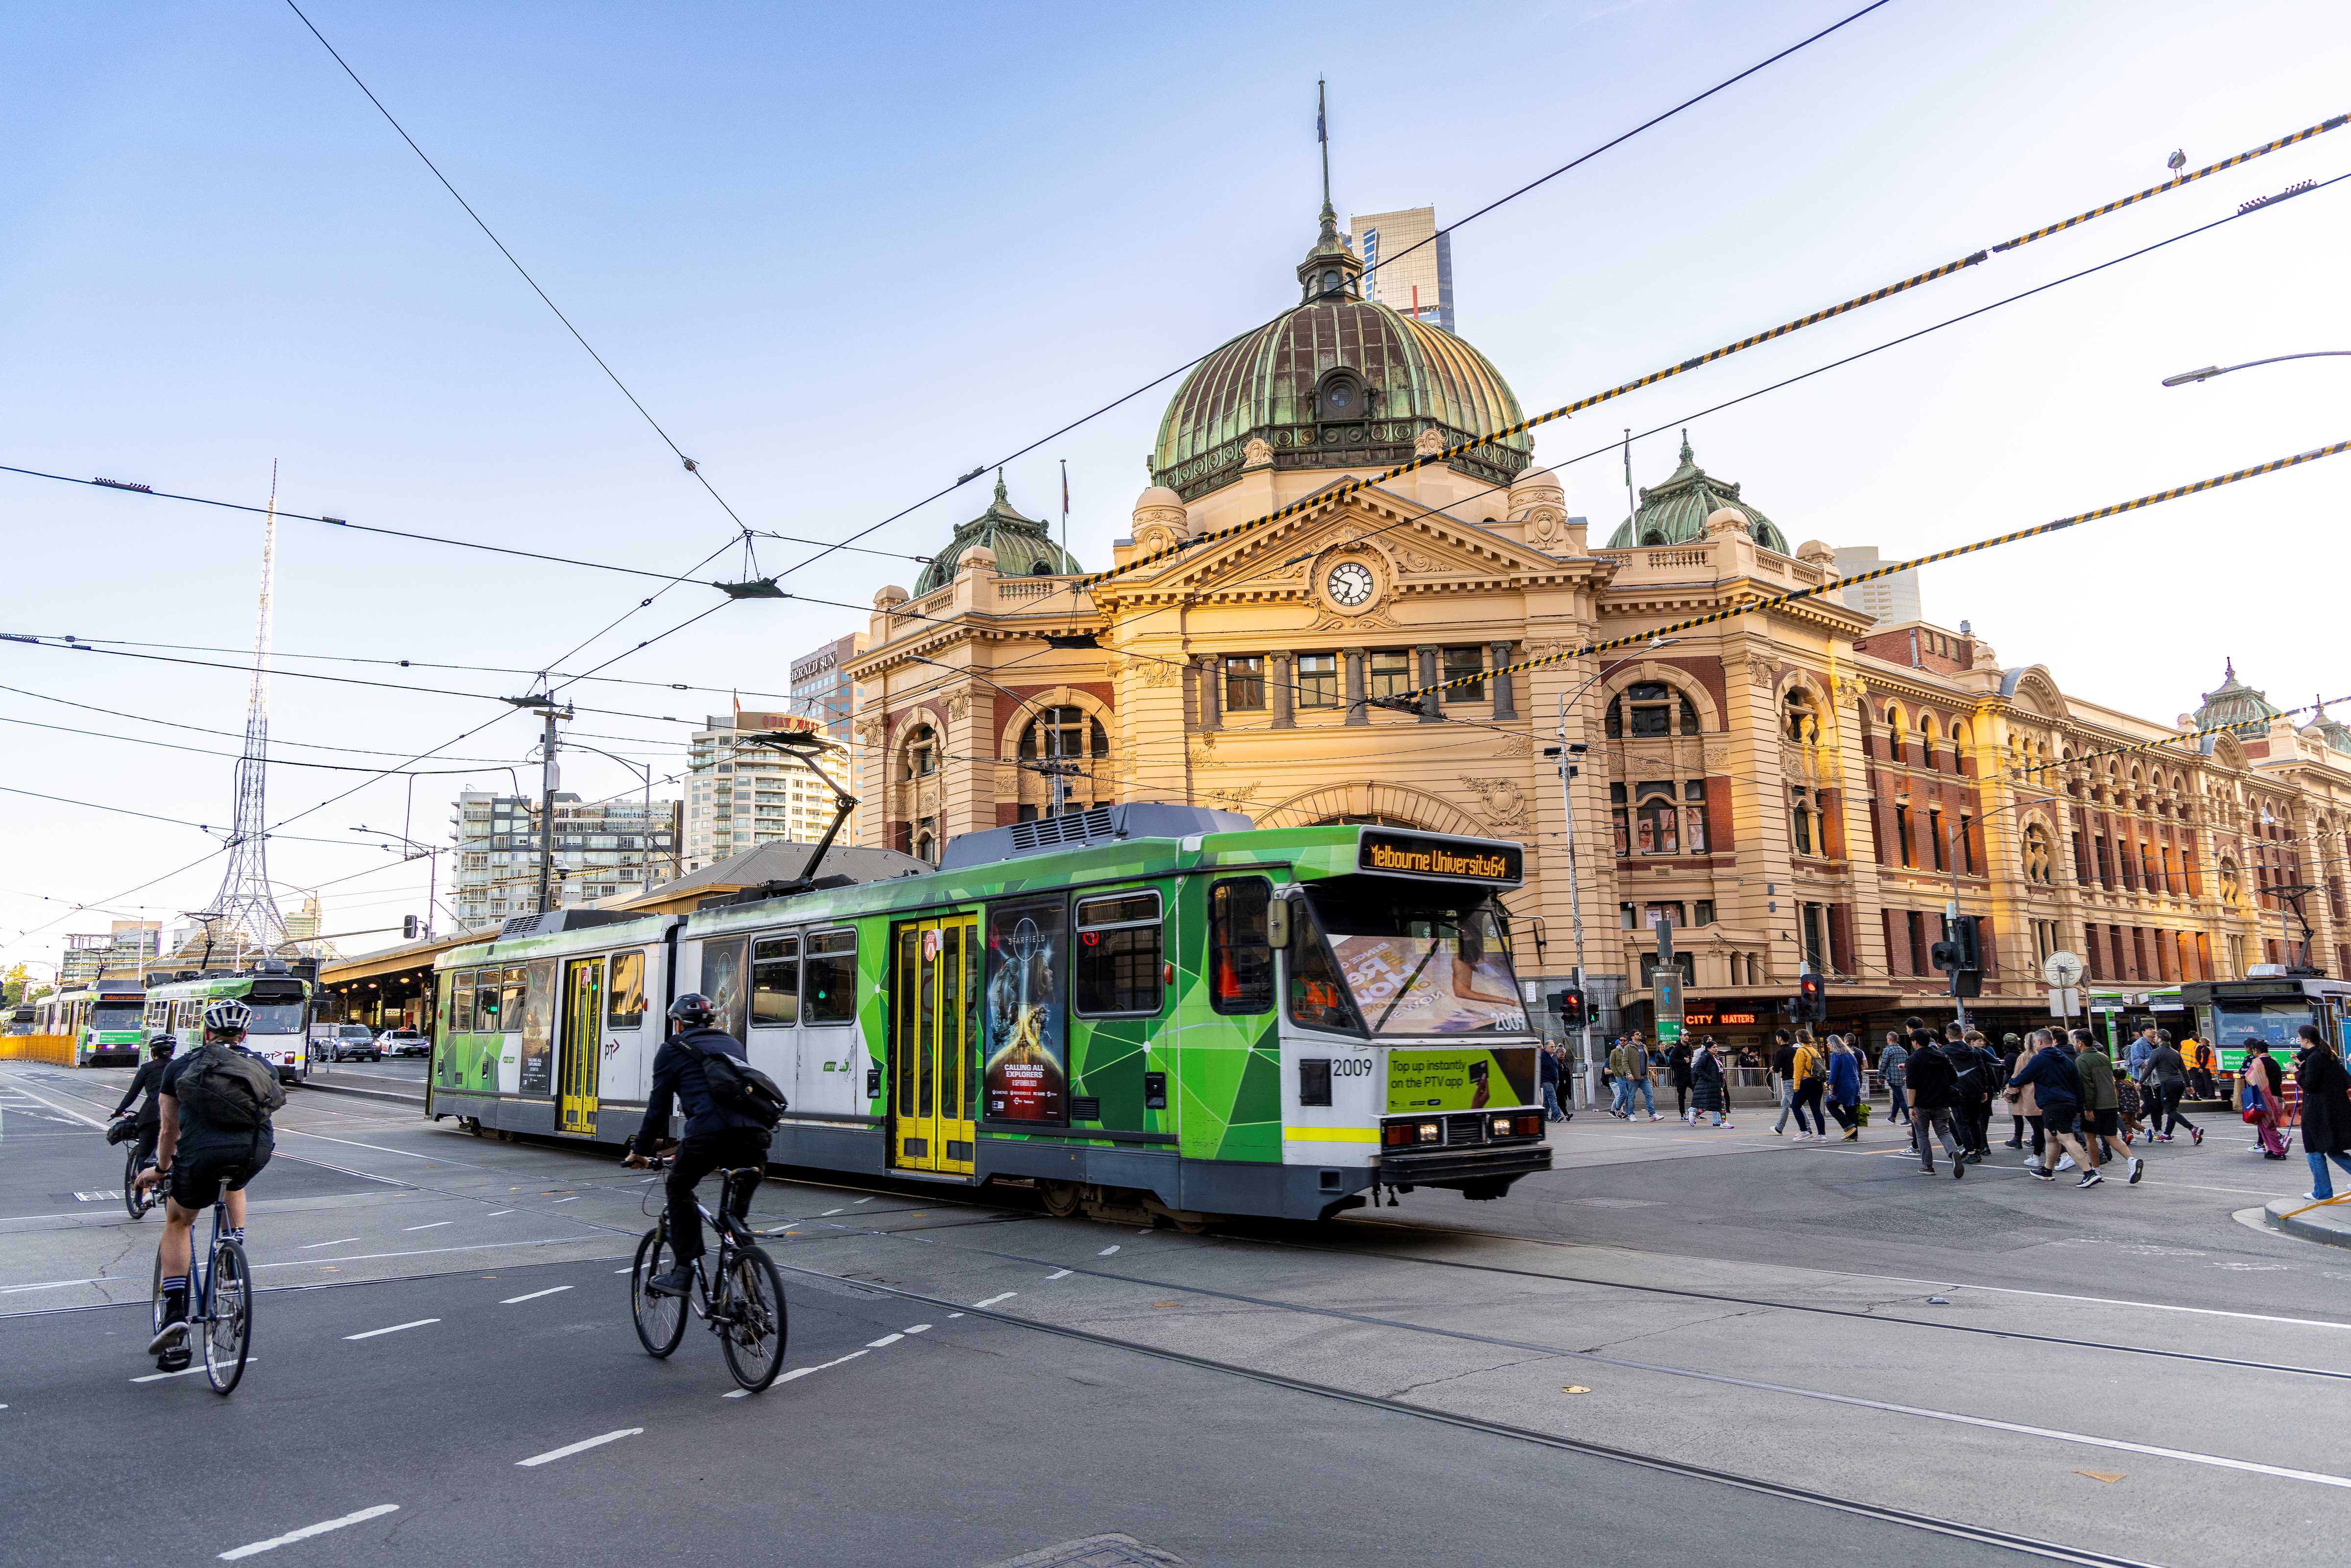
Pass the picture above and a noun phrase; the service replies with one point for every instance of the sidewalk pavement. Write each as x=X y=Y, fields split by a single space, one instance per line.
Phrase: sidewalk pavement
x=2324 y=1221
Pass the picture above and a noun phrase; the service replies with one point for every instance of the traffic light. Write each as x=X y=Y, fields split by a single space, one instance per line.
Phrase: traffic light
x=1812 y=999
x=1570 y=1003
x=408 y=928
x=1961 y=954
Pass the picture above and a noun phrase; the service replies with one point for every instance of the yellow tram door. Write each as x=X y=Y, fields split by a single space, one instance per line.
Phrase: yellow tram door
x=583 y=1019
x=933 y=1049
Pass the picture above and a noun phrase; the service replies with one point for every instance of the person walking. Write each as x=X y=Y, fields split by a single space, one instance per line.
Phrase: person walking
x=2011 y=1051
x=1709 y=1094
x=1971 y=1103
x=2140 y=1052
x=2325 y=1111
x=2101 y=1111
x=2264 y=1097
x=1812 y=1070
x=2056 y=1088
x=2167 y=1075
x=2129 y=1105
x=1678 y=1067
x=1783 y=1076
x=1618 y=1090
x=1893 y=1064
x=1844 y=1087
x=1549 y=1068
x=1637 y=1075
x=1933 y=1087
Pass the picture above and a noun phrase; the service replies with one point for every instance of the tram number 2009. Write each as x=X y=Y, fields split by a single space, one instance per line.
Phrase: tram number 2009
x=1352 y=1067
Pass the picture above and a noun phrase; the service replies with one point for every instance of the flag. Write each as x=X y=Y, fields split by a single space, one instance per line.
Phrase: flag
x=1065 y=488
x=1320 y=133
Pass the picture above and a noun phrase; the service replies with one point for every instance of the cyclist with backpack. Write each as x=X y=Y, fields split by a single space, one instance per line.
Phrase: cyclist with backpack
x=146 y=1087
x=731 y=1109
x=215 y=1102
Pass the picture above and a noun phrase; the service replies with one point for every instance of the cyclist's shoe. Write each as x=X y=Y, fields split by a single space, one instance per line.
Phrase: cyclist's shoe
x=171 y=1341
x=678 y=1282
x=176 y=1359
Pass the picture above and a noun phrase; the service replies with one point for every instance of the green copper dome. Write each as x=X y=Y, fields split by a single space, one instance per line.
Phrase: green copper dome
x=1674 y=512
x=1023 y=545
x=2244 y=710
x=1339 y=381
x=2330 y=729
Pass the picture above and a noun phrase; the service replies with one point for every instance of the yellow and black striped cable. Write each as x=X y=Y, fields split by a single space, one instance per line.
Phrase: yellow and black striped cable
x=1773 y=601
x=1321 y=497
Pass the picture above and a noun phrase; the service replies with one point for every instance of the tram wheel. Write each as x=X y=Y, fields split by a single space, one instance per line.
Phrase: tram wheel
x=1060 y=1198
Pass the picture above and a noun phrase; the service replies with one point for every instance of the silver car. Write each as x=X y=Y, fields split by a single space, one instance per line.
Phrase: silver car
x=403 y=1042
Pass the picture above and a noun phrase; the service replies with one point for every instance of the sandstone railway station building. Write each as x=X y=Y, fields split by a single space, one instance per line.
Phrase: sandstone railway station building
x=1801 y=785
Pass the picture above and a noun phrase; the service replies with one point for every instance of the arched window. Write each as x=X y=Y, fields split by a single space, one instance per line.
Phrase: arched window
x=1068 y=734
x=1657 y=817
x=2232 y=884
x=1897 y=734
x=1926 y=734
x=1064 y=732
x=1804 y=822
x=922 y=752
x=1648 y=708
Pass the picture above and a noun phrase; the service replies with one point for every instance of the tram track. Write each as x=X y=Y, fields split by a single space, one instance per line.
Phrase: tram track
x=2033 y=1546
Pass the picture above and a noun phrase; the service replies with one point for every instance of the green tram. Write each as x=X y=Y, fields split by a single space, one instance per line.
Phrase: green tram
x=102 y=1018
x=1137 y=1009
x=279 y=998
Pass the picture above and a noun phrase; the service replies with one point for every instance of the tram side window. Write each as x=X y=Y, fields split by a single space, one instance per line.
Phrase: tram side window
x=510 y=1001
x=461 y=1005
x=625 y=1005
x=1318 y=995
x=1240 y=960
x=828 y=988
x=1118 y=955
x=489 y=1011
x=776 y=981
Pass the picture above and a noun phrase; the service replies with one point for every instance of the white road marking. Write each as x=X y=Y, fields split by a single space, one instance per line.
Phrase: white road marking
x=887 y=1339
x=550 y=1290
x=434 y=1226
x=993 y=1299
x=85 y=1120
x=574 y=1198
x=52 y=1285
x=314 y=1246
x=1058 y=1274
x=570 y=1448
x=1106 y=1251
x=954 y=1314
x=829 y=1213
x=920 y=1328
x=183 y=1372
x=500 y=1214
x=308 y=1530
x=379 y=1148
x=372 y=1257
x=394 y=1329
x=861 y=1200
x=804 y=1371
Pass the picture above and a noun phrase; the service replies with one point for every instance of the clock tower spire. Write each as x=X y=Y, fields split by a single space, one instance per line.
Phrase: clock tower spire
x=1331 y=270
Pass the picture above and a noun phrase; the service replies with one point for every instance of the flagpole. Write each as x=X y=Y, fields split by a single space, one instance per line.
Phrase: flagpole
x=1065 y=507
x=1322 y=135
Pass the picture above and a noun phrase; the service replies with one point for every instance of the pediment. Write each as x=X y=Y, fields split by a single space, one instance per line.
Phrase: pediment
x=1410 y=542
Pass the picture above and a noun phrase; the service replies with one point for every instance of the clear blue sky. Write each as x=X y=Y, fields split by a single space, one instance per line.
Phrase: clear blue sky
x=846 y=254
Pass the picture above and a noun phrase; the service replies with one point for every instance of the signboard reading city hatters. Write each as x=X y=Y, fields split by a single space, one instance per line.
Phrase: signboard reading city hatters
x=1455 y=860
x=1460 y=1080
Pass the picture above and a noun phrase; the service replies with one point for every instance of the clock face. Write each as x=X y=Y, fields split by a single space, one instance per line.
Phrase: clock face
x=1350 y=582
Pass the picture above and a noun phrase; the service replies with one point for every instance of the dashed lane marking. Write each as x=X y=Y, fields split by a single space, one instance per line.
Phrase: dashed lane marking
x=395 y=1328
x=572 y=1199
x=887 y=1339
x=1005 y=1297
x=501 y=1212
x=1058 y=1274
x=582 y=1447
x=550 y=1290
x=829 y=1213
x=183 y=1372
x=339 y=1241
x=308 y=1530
x=919 y=1327
x=1106 y=1251
x=434 y=1226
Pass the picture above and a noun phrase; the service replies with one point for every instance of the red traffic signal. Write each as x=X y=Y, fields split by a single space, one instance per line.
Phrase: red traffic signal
x=1812 y=998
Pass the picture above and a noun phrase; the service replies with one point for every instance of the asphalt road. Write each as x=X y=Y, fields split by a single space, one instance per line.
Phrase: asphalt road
x=1797 y=1331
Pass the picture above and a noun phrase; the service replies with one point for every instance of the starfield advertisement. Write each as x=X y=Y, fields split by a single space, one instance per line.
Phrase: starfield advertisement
x=1027 y=1074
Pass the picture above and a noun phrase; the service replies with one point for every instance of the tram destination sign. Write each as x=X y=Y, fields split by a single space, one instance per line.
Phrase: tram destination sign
x=1455 y=860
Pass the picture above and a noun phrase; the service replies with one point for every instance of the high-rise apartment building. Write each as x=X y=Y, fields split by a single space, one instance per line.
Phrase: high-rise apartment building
x=125 y=949
x=1415 y=282
x=821 y=689
x=603 y=848
x=1892 y=600
x=739 y=795
x=305 y=923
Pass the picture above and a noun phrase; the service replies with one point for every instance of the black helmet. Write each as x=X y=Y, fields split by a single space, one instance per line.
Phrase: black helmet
x=694 y=1010
x=161 y=1044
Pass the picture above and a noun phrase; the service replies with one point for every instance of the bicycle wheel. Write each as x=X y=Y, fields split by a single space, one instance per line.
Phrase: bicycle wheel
x=132 y=1203
x=661 y=1319
x=228 y=1326
x=756 y=1328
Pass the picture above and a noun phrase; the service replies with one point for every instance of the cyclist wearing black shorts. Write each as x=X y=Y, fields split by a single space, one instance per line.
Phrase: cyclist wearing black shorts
x=198 y=1159
x=717 y=1139
x=146 y=1084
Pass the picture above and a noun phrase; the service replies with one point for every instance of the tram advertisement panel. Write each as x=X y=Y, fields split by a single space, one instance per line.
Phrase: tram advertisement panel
x=1027 y=1074
x=538 y=1030
x=1460 y=1080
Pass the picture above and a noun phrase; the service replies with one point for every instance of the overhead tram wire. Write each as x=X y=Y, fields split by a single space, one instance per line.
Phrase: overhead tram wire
x=236 y=733
x=1581 y=159
x=1700 y=413
x=231 y=756
x=1321 y=497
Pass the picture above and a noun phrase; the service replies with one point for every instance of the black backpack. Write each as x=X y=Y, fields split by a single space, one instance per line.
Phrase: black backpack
x=229 y=1091
x=739 y=1087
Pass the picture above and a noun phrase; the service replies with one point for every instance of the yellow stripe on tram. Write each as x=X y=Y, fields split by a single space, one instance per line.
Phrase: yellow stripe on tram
x=1331 y=1134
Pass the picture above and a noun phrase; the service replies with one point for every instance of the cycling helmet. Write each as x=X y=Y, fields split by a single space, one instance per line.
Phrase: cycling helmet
x=161 y=1043
x=694 y=1010
x=227 y=1015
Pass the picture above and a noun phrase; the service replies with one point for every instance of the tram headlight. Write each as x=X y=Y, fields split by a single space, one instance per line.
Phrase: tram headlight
x=1432 y=1133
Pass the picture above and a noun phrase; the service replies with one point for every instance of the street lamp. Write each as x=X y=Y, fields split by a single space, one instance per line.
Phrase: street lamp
x=1056 y=769
x=429 y=854
x=2209 y=372
x=1567 y=814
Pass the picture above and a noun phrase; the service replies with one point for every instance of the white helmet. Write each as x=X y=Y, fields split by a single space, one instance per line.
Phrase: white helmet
x=227 y=1015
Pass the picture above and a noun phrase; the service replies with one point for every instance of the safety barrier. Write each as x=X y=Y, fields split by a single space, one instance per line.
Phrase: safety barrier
x=58 y=1050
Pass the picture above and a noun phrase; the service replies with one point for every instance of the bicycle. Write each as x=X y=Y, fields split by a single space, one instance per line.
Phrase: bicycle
x=745 y=1310
x=134 y=1202
x=220 y=1302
